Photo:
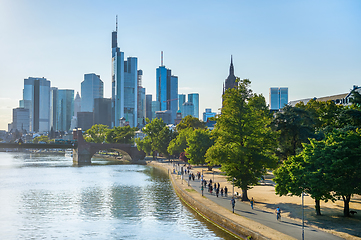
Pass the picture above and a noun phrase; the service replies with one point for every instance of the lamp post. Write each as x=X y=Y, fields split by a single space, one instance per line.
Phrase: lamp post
x=303 y=217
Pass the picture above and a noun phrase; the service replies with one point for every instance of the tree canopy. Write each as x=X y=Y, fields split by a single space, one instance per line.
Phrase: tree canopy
x=244 y=142
x=97 y=133
x=199 y=141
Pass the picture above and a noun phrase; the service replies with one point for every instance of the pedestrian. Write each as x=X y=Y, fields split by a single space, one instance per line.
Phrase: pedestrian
x=233 y=203
x=215 y=185
x=219 y=185
x=221 y=192
x=278 y=212
x=252 y=202
x=210 y=188
x=217 y=191
x=225 y=191
x=210 y=181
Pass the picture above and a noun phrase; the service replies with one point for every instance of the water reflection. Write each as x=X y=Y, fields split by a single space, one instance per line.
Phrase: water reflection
x=45 y=197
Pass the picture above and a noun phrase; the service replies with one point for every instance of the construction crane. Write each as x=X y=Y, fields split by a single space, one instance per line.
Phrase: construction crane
x=168 y=101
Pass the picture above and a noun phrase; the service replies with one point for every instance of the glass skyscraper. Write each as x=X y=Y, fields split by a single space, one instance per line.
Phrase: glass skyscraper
x=91 y=88
x=36 y=98
x=194 y=98
x=167 y=91
x=278 y=98
x=65 y=109
x=181 y=100
x=124 y=85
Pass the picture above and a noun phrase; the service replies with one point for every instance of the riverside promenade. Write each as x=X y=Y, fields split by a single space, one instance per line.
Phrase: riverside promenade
x=245 y=222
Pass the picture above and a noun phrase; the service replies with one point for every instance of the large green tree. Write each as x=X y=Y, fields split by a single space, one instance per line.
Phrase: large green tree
x=123 y=135
x=294 y=126
x=97 y=133
x=244 y=143
x=199 y=141
x=179 y=144
x=190 y=122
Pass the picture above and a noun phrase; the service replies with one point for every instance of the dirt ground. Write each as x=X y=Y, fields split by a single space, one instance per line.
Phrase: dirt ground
x=332 y=219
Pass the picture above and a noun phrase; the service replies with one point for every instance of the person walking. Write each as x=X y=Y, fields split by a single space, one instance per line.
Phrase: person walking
x=233 y=203
x=252 y=203
x=221 y=192
x=217 y=191
x=225 y=191
x=278 y=212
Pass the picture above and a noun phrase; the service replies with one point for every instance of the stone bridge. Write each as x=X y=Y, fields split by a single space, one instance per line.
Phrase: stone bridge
x=83 y=154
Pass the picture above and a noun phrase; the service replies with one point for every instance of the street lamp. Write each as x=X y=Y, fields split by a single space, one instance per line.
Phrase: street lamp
x=303 y=216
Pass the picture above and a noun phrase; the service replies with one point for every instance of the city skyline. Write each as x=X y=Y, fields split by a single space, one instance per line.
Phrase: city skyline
x=310 y=47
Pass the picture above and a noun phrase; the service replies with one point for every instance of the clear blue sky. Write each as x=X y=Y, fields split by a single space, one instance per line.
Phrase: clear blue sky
x=311 y=47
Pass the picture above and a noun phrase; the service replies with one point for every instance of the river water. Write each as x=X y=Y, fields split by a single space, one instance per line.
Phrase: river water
x=46 y=197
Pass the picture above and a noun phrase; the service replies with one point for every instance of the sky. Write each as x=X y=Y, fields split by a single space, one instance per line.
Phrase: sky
x=311 y=47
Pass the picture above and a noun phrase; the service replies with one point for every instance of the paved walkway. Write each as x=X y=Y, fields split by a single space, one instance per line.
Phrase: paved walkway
x=286 y=225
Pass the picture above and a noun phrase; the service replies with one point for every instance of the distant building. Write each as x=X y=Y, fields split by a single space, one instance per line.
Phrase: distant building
x=181 y=100
x=124 y=85
x=36 y=98
x=65 y=109
x=53 y=108
x=167 y=89
x=85 y=120
x=148 y=104
x=91 y=88
x=155 y=108
x=21 y=119
x=278 y=98
x=77 y=104
x=208 y=114
x=103 y=111
x=141 y=111
x=194 y=98
x=178 y=118
x=188 y=109
x=230 y=81
x=166 y=116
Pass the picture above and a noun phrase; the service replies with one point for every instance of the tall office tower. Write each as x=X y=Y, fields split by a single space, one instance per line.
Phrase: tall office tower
x=208 y=114
x=77 y=104
x=167 y=90
x=53 y=108
x=36 y=98
x=181 y=100
x=124 y=85
x=155 y=108
x=91 y=88
x=21 y=119
x=278 y=98
x=188 y=109
x=141 y=101
x=102 y=111
x=194 y=98
x=65 y=109
x=148 y=103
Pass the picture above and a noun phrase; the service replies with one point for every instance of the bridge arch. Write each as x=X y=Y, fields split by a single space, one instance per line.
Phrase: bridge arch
x=83 y=154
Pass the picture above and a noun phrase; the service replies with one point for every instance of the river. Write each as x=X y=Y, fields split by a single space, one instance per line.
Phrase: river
x=46 y=197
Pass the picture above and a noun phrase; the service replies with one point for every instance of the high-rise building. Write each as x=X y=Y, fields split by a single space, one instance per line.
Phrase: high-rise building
x=278 y=98
x=141 y=101
x=155 y=108
x=208 y=114
x=124 y=85
x=181 y=100
x=36 y=98
x=188 y=109
x=194 y=98
x=167 y=90
x=77 y=104
x=230 y=81
x=65 y=109
x=85 y=120
x=91 y=88
x=53 y=107
x=21 y=119
x=148 y=103
x=102 y=111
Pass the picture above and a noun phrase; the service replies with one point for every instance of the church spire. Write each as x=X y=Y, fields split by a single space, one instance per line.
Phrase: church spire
x=231 y=69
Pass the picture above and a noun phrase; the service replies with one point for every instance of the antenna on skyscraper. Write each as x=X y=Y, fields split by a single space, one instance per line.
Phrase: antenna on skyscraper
x=116 y=23
x=161 y=59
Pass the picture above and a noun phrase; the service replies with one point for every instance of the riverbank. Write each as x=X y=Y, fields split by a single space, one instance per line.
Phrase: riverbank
x=266 y=201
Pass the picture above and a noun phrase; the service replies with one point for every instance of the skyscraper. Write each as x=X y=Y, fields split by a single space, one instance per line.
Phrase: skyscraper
x=36 y=98
x=194 y=98
x=230 y=81
x=102 y=111
x=278 y=98
x=167 y=90
x=188 y=109
x=141 y=101
x=91 y=88
x=53 y=107
x=21 y=119
x=181 y=100
x=77 y=104
x=148 y=100
x=65 y=109
x=124 y=85
x=208 y=114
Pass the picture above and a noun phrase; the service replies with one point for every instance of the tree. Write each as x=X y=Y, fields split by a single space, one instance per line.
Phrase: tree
x=244 y=142
x=97 y=133
x=190 y=121
x=42 y=138
x=294 y=125
x=179 y=144
x=123 y=135
x=158 y=135
x=199 y=142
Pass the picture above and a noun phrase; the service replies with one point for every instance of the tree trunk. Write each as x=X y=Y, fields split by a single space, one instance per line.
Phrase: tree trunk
x=318 y=207
x=244 y=194
x=346 y=209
